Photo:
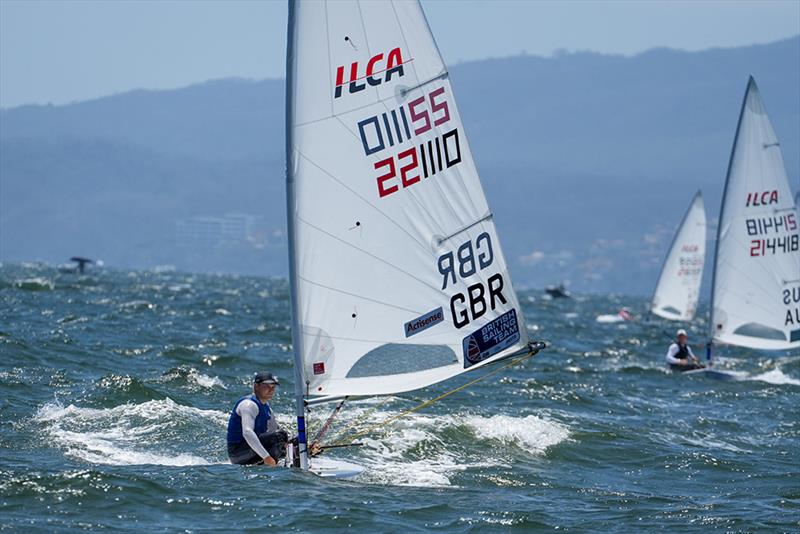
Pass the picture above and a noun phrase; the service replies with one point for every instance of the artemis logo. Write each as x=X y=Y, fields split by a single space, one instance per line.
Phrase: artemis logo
x=378 y=72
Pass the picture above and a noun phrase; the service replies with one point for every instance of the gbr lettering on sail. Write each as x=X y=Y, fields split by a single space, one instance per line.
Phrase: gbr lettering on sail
x=461 y=264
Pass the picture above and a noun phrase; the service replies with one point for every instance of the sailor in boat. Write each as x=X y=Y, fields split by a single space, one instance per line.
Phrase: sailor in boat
x=680 y=356
x=254 y=436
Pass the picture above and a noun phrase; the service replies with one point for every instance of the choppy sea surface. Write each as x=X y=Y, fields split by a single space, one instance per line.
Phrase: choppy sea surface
x=115 y=388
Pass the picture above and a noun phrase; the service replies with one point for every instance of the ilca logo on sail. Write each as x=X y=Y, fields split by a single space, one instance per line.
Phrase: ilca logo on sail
x=378 y=71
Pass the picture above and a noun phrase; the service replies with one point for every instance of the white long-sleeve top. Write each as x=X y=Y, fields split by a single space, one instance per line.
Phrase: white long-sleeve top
x=248 y=411
x=673 y=350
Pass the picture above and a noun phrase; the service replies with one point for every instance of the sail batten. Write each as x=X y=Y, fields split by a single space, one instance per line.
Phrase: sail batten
x=756 y=282
x=678 y=287
x=399 y=278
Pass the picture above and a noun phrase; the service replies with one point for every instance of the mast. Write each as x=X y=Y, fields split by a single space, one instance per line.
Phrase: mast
x=290 y=208
x=711 y=321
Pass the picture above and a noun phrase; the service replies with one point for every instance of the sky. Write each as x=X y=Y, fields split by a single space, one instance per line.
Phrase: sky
x=68 y=50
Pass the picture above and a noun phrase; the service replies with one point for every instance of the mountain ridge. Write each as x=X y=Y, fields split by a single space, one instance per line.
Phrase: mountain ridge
x=585 y=159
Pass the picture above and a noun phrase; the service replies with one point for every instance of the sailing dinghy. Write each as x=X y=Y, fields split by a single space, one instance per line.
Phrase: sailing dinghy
x=755 y=293
x=397 y=277
x=678 y=287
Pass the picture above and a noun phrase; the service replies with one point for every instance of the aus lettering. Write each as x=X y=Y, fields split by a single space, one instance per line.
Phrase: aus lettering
x=791 y=295
x=792 y=317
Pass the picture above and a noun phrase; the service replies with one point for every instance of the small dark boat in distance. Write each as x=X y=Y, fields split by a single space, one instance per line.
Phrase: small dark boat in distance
x=79 y=267
x=558 y=292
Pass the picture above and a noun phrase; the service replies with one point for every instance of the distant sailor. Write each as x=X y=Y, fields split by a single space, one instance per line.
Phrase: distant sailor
x=253 y=433
x=680 y=356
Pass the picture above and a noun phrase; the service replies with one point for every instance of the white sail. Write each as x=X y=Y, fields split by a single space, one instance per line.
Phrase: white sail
x=756 y=287
x=398 y=277
x=678 y=287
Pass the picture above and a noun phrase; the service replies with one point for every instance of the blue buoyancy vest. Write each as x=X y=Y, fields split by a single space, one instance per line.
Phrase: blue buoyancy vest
x=235 y=421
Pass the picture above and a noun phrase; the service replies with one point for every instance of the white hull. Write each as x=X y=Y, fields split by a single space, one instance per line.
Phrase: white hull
x=712 y=373
x=330 y=468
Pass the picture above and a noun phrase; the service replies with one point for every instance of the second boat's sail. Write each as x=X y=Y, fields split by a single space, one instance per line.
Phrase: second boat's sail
x=398 y=274
x=678 y=287
x=756 y=288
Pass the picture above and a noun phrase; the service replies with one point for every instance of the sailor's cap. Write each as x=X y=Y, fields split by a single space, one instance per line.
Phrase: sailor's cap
x=266 y=378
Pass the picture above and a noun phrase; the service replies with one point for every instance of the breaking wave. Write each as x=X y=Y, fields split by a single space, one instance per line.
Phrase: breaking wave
x=35 y=284
x=152 y=432
x=531 y=433
x=777 y=377
x=429 y=451
x=192 y=379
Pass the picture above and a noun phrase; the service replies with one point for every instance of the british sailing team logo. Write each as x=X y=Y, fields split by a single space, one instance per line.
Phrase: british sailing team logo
x=472 y=351
x=380 y=68
x=491 y=339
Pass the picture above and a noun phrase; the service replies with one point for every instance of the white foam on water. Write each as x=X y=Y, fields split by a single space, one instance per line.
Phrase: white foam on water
x=177 y=288
x=204 y=380
x=35 y=283
x=104 y=448
x=609 y=319
x=531 y=433
x=388 y=459
x=414 y=451
x=136 y=305
x=775 y=376
x=130 y=434
x=707 y=442
x=432 y=472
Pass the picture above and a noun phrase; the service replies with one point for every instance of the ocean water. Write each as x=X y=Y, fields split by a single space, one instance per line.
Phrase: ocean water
x=115 y=388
